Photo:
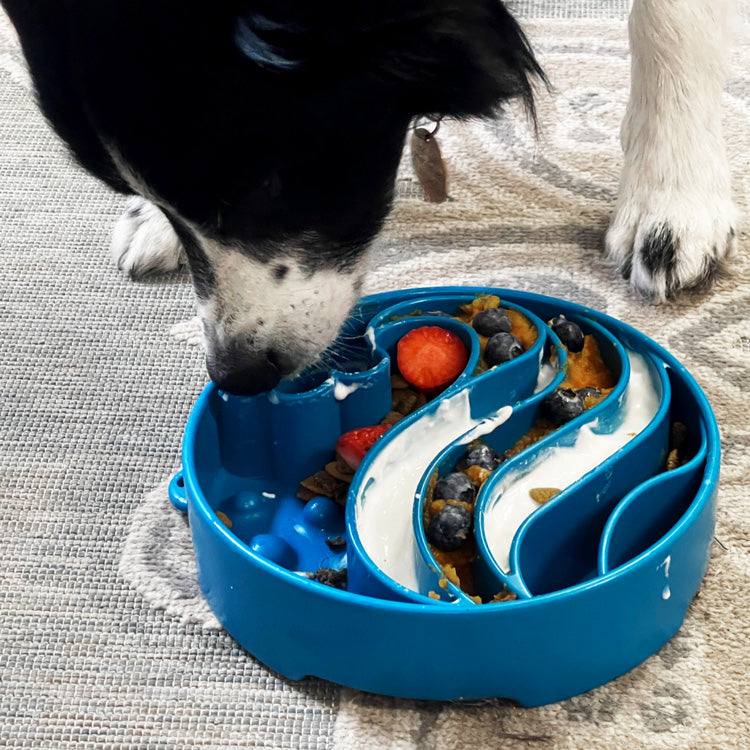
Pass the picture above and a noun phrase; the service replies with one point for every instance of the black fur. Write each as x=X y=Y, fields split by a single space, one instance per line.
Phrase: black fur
x=659 y=250
x=269 y=121
x=659 y=253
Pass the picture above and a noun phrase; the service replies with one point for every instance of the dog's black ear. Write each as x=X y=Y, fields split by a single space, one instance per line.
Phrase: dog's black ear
x=459 y=58
x=451 y=57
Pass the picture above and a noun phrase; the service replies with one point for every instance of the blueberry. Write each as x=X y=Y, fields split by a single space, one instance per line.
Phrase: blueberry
x=449 y=528
x=568 y=332
x=483 y=456
x=502 y=347
x=491 y=321
x=455 y=486
x=562 y=405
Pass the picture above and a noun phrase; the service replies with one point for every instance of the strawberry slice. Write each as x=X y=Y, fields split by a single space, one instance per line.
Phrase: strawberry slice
x=352 y=446
x=430 y=358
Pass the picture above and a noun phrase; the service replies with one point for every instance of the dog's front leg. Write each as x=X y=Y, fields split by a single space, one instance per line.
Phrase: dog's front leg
x=674 y=223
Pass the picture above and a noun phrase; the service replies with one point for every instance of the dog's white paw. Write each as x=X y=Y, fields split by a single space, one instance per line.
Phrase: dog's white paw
x=674 y=224
x=144 y=242
x=673 y=243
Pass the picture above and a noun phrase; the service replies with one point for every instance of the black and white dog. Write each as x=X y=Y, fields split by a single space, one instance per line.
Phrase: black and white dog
x=261 y=138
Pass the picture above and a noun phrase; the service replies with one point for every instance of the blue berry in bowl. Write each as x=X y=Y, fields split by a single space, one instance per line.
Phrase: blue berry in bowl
x=483 y=456
x=450 y=527
x=562 y=405
x=569 y=333
x=455 y=486
x=502 y=347
x=491 y=321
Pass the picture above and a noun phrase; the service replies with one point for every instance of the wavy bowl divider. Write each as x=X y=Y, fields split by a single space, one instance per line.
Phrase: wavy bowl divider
x=489 y=577
x=580 y=620
x=556 y=546
x=489 y=391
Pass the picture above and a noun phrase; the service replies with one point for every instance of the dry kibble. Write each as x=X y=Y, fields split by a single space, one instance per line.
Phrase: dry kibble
x=543 y=494
x=397 y=382
x=321 y=483
x=305 y=495
x=340 y=470
x=341 y=494
x=477 y=474
x=504 y=596
x=404 y=400
x=392 y=417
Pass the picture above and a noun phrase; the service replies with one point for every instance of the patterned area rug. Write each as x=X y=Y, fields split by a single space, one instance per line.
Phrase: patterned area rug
x=105 y=640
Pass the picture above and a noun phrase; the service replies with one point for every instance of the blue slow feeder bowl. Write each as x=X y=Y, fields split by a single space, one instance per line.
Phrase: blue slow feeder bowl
x=603 y=573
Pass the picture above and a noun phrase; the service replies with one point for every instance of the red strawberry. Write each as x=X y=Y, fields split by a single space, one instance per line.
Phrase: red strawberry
x=431 y=358
x=352 y=446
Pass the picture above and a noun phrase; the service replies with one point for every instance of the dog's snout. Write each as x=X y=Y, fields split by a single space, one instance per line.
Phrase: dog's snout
x=244 y=376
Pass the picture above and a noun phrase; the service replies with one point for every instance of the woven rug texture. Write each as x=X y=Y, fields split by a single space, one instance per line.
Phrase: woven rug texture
x=105 y=640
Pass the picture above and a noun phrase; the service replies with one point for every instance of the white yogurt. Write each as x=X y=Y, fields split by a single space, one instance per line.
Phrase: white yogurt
x=384 y=508
x=342 y=390
x=547 y=372
x=561 y=466
x=666 y=592
x=370 y=337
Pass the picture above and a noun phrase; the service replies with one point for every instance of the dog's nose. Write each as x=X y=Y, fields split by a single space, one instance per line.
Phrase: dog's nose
x=246 y=376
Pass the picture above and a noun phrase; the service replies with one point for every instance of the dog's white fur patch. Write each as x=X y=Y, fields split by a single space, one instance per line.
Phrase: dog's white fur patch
x=251 y=308
x=297 y=315
x=144 y=242
x=676 y=175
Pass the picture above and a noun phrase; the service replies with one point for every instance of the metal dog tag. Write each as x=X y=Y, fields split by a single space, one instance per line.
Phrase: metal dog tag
x=429 y=165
